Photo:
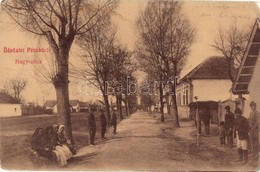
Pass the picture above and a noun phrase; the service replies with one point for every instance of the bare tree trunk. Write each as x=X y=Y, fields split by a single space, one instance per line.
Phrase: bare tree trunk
x=126 y=104
x=168 y=105
x=105 y=96
x=61 y=84
x=174 y=105
x=230 y=71
x=62 y=93
x=119 y=106
x=161 y=101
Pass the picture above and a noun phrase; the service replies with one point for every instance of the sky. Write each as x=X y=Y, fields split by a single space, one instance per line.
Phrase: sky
x=206 y=17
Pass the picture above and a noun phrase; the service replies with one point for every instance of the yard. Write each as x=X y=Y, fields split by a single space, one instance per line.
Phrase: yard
x=16 y=133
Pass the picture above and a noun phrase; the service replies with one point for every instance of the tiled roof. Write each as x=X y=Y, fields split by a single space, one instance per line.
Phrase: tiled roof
x=6 y=98
x=246 y=69
x=50 y=103
x=214 y=67
x=74 y=102
x=83 y=104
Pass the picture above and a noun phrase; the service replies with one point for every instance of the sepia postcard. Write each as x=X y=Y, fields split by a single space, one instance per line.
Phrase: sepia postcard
x=129 y=85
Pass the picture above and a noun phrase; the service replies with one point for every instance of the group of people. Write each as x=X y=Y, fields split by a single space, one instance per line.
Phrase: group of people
x=51 y=142
x=246 y=131
x=103 y=124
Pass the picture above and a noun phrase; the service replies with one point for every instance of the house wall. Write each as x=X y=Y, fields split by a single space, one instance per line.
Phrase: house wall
x=9 y=110
x=254 y=90
x=212 y=89
x=183 y=111
x=55 y=109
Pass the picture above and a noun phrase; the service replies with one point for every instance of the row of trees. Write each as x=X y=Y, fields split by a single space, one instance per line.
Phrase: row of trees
x=109 y=65
x=61 y=22
x=165 y=40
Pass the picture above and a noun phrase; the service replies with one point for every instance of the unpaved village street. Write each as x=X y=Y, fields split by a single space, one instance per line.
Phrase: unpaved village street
x=144 y=143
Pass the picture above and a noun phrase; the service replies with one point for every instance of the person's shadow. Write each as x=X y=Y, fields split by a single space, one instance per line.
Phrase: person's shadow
x=82 y=158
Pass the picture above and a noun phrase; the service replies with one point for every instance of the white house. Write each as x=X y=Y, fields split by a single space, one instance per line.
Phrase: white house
x=49 y=106
x=209 y=81
x=9 y=106
x=75 y=106
x=247 y=83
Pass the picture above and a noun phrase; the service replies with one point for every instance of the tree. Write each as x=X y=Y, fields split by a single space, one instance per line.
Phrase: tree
x=231 y=44
x=152 y=65
x=99 y=46
x=165 y=37
x=59 y=22
x=15 y=87
x=122 y=72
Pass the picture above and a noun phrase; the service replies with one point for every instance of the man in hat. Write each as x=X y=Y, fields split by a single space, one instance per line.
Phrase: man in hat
x=114 y=120
x=229 y=126
x=103 y=122
x=92 y=126
x=254 y=129
x=242 y=130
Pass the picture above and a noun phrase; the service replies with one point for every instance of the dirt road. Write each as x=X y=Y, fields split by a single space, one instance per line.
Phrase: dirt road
x=143 y=143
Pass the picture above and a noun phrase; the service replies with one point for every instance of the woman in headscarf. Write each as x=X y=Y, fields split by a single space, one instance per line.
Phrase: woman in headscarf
x=62 y=150
x=41 y=145
x=62 y=140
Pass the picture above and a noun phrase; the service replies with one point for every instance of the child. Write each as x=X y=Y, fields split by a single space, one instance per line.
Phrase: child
x=222 y=133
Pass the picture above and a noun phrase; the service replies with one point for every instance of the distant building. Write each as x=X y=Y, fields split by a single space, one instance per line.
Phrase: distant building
x=75 y=106
x=209 y=81
x=247 y=83
x=49 y=106
x=83 y=106
x=9 y=106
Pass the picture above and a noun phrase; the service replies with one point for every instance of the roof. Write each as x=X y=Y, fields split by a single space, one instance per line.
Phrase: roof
x=203 y=104
x=98 y=103
x=248 y=63
x=83 y=104
x=214 y=67
x=8 y=99
x=50 y=103
x=74 y=102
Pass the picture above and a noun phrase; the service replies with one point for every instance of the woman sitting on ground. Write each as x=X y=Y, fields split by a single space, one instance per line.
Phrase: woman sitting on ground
x=61 y=150
x=62 y=140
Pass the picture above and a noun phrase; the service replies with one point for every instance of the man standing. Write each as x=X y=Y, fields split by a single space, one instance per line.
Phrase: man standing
x=103 y=122
x=254 y=129
x=229 y=125
x=242 y=130
x=114 y=121
x=92 y=126
x=206 y=120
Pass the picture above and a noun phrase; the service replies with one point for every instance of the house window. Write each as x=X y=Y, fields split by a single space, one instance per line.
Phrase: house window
x=178 y=98
x=185 y=96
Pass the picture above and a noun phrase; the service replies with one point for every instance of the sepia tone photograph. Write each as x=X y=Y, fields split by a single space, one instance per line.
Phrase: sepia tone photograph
x=129 y=85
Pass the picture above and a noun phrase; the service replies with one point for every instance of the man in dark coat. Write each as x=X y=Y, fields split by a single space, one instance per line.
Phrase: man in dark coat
x=229 y=126
x=114 y=121
x=242 y=130
x=206 y=120
x=254 y=120
x=92 y=126
x=103 y=122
